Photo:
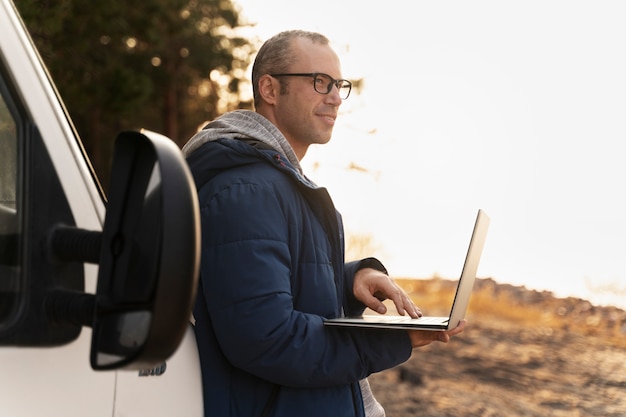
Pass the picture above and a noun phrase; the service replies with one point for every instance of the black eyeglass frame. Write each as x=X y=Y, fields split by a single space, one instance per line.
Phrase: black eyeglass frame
x=340 y=83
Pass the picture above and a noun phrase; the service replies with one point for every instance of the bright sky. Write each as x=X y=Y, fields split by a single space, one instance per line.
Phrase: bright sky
x=518 y=108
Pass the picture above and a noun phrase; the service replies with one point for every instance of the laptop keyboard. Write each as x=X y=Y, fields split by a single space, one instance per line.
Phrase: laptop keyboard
x=433 y=320
x=409 y=319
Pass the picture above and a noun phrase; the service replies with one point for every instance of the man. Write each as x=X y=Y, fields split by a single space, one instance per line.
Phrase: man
x=273 y=253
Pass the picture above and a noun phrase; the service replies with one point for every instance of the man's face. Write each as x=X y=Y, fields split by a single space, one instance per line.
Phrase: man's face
x=303 y=115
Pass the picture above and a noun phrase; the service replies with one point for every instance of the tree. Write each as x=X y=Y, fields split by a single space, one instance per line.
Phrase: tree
x=164 y=65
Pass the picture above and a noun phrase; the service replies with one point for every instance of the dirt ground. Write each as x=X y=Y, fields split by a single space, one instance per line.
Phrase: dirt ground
x=508 y=368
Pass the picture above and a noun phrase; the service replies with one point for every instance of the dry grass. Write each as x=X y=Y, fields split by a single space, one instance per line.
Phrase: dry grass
x=608 y=325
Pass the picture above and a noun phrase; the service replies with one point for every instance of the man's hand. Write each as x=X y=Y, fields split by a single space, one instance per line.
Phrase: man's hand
x=371 y=287
x=421 y=338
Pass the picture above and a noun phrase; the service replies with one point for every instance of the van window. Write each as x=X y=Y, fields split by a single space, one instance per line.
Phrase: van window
x=10 y=233
x=32 y=203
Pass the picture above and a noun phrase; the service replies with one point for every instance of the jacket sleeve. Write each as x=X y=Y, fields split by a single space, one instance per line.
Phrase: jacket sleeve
x=246 y=271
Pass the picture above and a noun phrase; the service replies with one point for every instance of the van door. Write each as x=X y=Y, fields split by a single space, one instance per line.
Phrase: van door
x=56 y=381
x=47 y=188
x=173 y=388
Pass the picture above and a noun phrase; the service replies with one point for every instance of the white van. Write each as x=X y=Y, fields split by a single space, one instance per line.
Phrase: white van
x=95 y=292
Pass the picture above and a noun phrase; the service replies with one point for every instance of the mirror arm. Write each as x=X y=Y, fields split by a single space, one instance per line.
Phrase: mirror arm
x=69 y=244
x=70 y=307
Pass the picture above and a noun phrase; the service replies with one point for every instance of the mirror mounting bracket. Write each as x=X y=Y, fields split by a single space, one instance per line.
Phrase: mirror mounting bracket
x=148 y=255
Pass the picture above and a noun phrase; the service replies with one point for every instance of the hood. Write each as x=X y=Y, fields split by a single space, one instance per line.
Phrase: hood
x=243 y=125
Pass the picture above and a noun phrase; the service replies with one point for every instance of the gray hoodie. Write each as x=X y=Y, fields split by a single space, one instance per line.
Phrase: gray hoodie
x=244 y=124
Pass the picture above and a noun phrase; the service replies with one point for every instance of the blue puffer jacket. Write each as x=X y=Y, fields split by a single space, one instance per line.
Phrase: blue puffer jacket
x=272 y=270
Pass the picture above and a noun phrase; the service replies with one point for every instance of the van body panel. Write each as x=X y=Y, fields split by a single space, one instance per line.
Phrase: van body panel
x=58 y=381
x=178 y=391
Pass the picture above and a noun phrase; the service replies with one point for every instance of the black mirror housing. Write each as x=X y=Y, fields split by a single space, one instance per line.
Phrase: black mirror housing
x=149 y=255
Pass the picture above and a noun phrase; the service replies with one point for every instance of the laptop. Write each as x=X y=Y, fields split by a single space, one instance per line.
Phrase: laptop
x=459 y=305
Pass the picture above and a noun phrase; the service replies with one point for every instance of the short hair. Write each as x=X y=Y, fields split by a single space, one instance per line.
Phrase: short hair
x=275 y=55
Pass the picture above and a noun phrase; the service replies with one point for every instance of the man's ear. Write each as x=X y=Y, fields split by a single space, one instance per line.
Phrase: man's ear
x=269 y=88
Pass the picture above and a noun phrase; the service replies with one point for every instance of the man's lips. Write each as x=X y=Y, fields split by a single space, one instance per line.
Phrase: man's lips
x=329 y=117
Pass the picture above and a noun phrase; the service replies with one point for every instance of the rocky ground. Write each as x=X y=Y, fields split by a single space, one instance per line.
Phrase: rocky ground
x=542 y=357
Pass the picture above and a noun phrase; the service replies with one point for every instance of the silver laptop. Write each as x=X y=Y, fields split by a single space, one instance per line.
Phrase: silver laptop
x=461 y=298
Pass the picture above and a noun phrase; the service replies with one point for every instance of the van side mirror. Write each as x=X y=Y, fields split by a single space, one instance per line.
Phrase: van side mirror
x=148 y=255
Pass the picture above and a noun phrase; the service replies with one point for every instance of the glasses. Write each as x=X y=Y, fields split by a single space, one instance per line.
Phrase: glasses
x=323 y=83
